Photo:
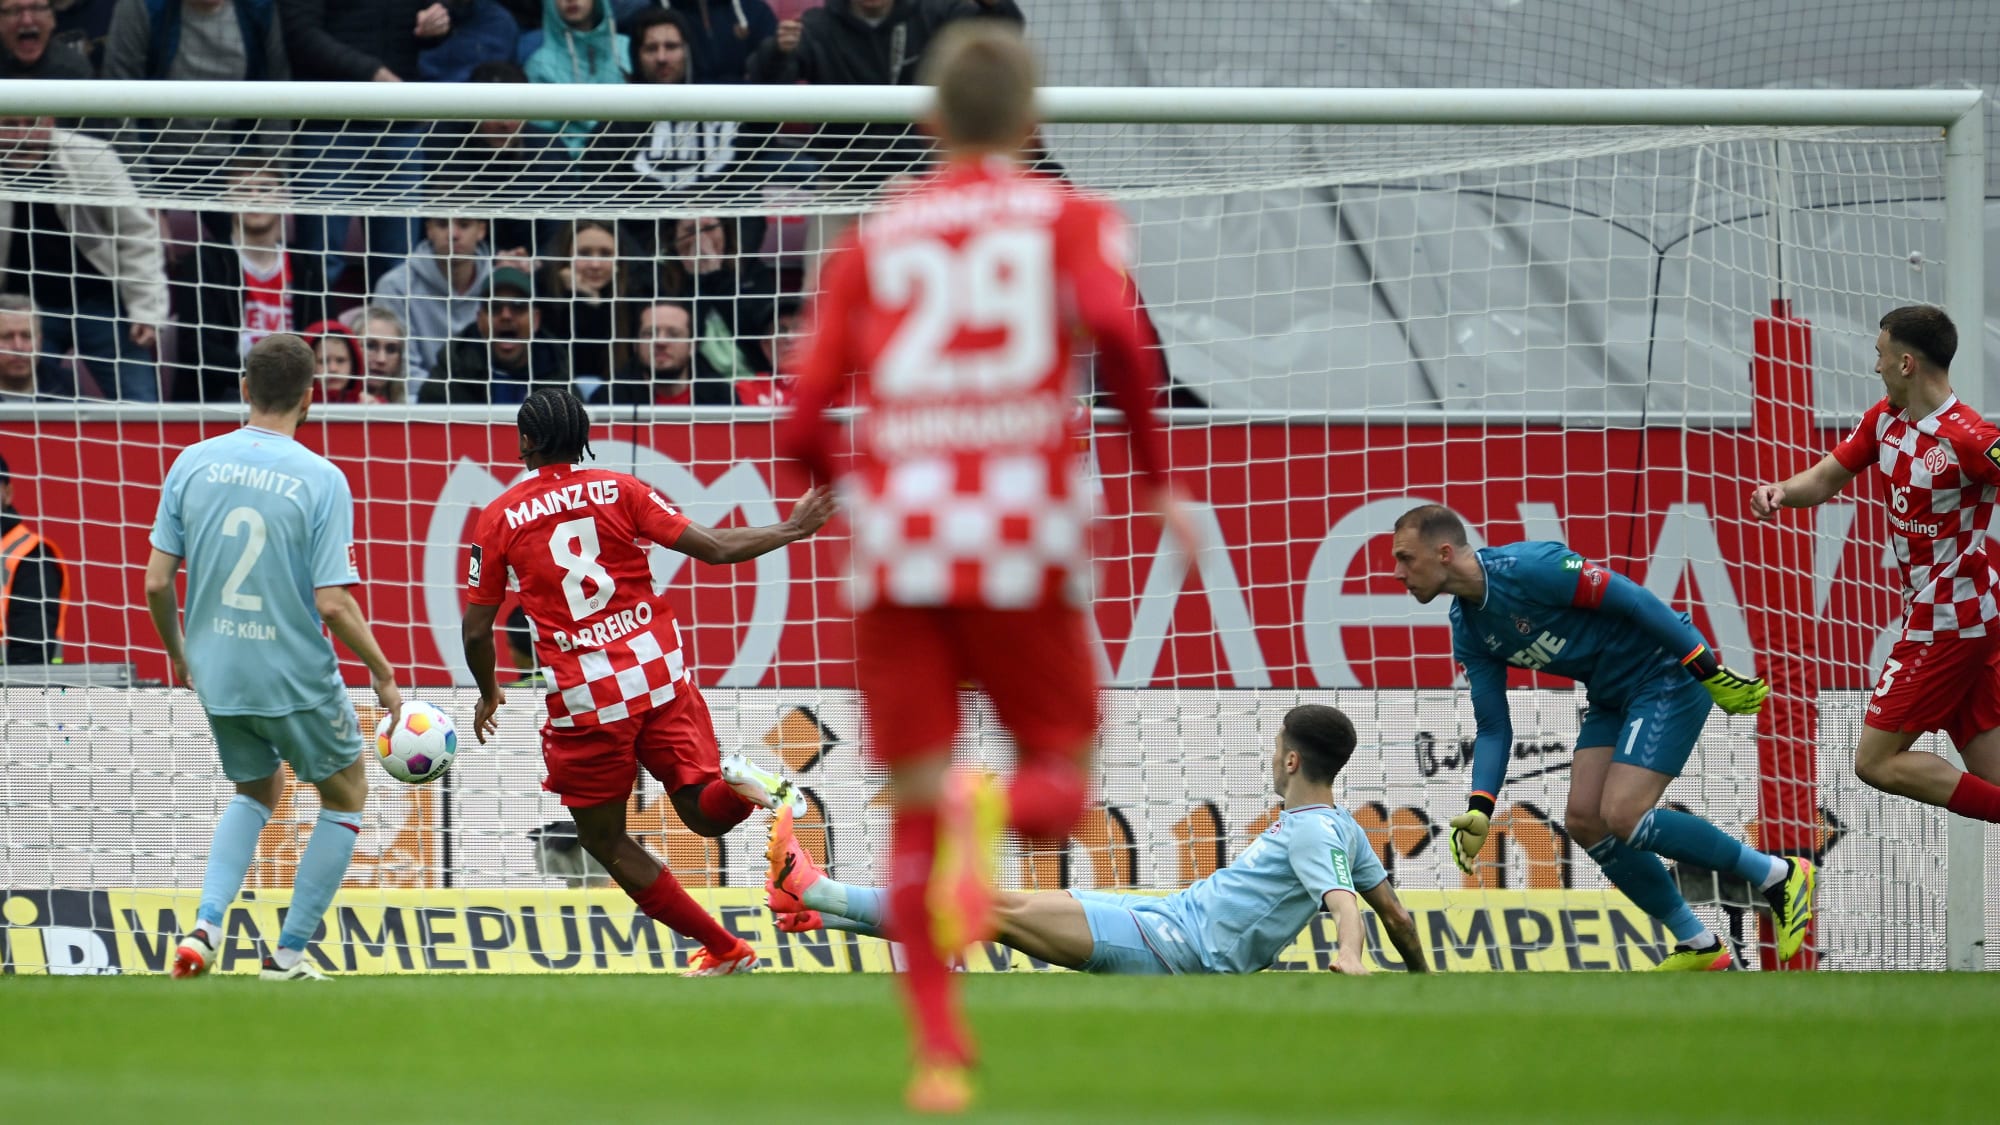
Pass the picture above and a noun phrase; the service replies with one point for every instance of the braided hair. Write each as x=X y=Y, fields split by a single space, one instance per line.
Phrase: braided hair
x=555 y=426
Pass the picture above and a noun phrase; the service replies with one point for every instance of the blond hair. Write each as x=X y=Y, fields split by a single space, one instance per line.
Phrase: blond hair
x=985 y=78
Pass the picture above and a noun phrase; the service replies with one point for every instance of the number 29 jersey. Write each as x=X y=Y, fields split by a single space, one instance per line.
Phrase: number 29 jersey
x=955 y=311
x=571 y=542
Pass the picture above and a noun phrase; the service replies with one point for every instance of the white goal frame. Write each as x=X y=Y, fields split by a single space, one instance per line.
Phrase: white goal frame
x=1960 y=114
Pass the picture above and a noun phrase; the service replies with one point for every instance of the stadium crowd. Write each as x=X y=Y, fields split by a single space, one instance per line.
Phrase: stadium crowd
x=464 y=305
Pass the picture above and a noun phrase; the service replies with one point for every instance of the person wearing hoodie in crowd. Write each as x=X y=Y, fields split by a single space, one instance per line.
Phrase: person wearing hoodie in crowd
x=437 y=292
x=338 y=364
x=580 y=44
x=659 y=157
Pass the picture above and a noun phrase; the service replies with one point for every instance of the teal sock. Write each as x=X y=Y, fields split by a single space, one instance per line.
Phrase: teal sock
x=1690 y=839
x=229 y=856
x=320 y=871
x=1645 y=881
x=837 y=922
x=865 y=905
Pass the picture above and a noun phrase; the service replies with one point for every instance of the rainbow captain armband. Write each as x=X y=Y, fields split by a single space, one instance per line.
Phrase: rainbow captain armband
x=1701 y=663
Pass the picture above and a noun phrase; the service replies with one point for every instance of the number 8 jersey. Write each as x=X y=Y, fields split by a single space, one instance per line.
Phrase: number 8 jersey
x=571 y=543
x=954 y=311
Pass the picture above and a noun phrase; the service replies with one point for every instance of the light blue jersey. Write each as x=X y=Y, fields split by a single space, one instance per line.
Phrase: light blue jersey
x=262 y=522
x=1239 y=919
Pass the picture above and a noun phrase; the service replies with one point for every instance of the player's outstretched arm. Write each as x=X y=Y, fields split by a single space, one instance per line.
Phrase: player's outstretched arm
x=476 y=636
x=1812 y=487
x=1492 y=747
x=344 y=620
x=1398 y=925
x=740 y=544
x=165 y=606
x=1346 y=913
x=1738 y=693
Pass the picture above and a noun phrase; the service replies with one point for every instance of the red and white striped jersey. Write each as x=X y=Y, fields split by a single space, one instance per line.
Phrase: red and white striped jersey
x=950 y=317
x=571 y=542
x=1944 y=475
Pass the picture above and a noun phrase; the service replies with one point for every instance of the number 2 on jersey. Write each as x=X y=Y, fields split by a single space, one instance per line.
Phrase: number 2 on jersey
x=999 y=281
x=574 y=547
x=251 y=521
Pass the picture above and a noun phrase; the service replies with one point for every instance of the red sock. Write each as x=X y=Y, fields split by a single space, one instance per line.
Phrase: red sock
x=1977 y=798
x=723 y=805
x=667 y=901
x=926 y=982
x=1047 y=799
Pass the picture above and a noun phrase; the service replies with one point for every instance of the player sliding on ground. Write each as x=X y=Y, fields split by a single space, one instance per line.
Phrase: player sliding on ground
x=1235 y=921
x=569 y=541
x=1942 y=461
x=267 y=528
x=1650 y=680
x=951 y=316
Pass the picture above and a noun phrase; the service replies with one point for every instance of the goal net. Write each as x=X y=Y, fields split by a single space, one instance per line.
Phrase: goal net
x=1601 y=333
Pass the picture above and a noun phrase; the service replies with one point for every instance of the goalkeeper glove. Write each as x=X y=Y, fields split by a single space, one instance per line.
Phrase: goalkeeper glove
x=1468 y=831
x=1734 y=692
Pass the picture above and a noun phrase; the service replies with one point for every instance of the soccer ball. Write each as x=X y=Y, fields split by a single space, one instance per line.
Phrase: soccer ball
x=421 y=747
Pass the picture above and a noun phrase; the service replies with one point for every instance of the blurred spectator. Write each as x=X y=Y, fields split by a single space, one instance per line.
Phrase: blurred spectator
x=734 y=295
x=240 y=285
x=34 y=586
x=852 y=43
x=481 y=31
x=66 y=255
x=359 y=41
x=29 y=47
x=340 y=364
x=85 y=23
x=587 y=297
x=438 y=292
x=724 y=35
x=384 y=351
x=664 y=369
x=501 y=161
x=26 y=375
x=580 y=44
x=666 y=156
x=193 y=40
x=504 y=359
x=780 y=351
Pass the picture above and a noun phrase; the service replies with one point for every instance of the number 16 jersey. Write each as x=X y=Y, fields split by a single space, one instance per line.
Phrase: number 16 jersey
x=954 y=311
x=572 y=543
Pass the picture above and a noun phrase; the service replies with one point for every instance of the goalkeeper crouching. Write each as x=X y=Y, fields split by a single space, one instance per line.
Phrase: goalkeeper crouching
x=1237 y=920
x=1650 y=680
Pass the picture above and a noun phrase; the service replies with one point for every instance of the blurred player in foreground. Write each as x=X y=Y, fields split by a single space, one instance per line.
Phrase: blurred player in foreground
x=1942 y=461
x=267 y=528
x=569 y=541
x=950 y=315
x=1237 y=920
x=1650 y=680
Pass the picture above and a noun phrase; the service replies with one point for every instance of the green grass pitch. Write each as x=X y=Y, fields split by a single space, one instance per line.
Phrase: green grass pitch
x=1276 y=1047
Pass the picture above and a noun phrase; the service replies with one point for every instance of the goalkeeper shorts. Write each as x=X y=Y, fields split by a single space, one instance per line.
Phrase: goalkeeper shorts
x=1655 y=727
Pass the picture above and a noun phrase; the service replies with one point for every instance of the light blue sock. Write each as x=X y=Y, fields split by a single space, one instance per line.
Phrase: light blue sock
x=229 y=856
x=837 y=922
x=865 y=905
x=1690 y=839
x=1645 y=881
x=320 y=871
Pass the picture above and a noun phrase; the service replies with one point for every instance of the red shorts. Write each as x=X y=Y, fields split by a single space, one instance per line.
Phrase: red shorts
x=1034 y=664
x=1949 y=685
x=598 y=764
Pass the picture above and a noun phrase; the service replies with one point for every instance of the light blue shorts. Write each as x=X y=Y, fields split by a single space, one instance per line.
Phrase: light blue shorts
x=318 y=743
x=1656 y=729
x=1127 y=933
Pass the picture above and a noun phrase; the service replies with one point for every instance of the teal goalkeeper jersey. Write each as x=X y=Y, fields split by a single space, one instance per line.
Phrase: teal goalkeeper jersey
x=1244 y=915
x=262 y=522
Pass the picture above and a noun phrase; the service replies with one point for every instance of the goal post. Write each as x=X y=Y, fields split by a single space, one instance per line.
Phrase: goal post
x=1596 y=315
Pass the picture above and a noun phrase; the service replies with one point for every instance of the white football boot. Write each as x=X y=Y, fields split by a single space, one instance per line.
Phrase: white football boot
x=760 y=786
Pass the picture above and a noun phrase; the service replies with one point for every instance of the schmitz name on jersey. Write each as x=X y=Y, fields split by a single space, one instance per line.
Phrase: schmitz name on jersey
x=567 y=498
